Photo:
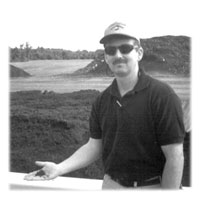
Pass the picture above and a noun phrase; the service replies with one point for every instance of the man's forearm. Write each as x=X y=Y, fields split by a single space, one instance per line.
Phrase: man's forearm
x=172 y=173
x=84 y=156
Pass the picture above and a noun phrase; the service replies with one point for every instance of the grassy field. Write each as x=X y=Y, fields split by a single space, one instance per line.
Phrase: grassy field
x=49 y=127
x=51 y=67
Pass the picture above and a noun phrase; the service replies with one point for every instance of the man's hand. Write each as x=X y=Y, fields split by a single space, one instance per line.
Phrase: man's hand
x=48 y=171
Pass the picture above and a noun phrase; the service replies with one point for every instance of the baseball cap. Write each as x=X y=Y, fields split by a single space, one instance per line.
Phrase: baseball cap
x=118 y=28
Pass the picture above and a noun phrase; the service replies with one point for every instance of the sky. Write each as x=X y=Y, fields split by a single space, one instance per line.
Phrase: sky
x=79 y=24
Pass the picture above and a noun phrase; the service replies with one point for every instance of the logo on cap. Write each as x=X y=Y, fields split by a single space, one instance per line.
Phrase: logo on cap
x=117 y=26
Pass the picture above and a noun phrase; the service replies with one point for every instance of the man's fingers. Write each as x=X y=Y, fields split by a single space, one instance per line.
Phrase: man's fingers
x=36 y=178
x=30 y=175
x=33 y=176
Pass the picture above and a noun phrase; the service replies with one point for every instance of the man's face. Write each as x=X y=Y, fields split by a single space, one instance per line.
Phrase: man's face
x=122 y=56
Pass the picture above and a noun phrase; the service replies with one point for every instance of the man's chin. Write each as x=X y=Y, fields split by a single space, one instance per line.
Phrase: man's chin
x=120 y=73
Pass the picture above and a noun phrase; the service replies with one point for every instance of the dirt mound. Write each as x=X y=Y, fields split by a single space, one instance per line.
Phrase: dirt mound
x=16 y=72
x=169 y=54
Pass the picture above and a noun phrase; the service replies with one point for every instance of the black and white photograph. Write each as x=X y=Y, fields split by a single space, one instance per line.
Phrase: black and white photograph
x=100 y=96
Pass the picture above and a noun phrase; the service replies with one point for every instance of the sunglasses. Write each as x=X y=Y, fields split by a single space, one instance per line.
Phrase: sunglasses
x=124 y=49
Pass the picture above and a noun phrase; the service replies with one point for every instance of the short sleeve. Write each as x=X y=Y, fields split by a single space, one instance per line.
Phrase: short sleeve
x=168 y=120
x=94 y=122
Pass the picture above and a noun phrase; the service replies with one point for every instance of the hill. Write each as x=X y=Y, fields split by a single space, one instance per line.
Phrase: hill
x=169 y=54
x=16 y=72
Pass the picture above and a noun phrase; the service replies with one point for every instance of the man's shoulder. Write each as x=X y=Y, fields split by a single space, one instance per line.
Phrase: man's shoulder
x=160 y=87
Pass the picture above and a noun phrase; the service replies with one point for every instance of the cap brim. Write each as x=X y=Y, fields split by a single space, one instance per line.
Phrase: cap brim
x=106 y=38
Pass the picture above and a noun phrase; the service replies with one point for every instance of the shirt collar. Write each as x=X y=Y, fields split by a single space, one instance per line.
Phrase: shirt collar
x=143 y=82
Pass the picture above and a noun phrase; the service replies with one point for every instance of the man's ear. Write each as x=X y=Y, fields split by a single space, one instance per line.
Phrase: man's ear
x=105 y=57
x=140 y=53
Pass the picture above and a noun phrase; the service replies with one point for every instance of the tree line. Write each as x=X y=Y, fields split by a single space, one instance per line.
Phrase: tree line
x=25 y=53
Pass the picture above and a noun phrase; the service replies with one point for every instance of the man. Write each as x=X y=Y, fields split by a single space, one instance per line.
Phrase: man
x=136 y=124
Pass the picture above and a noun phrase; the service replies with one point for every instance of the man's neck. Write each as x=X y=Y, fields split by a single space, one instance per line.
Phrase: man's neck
x=126 y=84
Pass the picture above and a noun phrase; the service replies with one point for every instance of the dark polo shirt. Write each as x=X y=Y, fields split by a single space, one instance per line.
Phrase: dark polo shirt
x=134 y=127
